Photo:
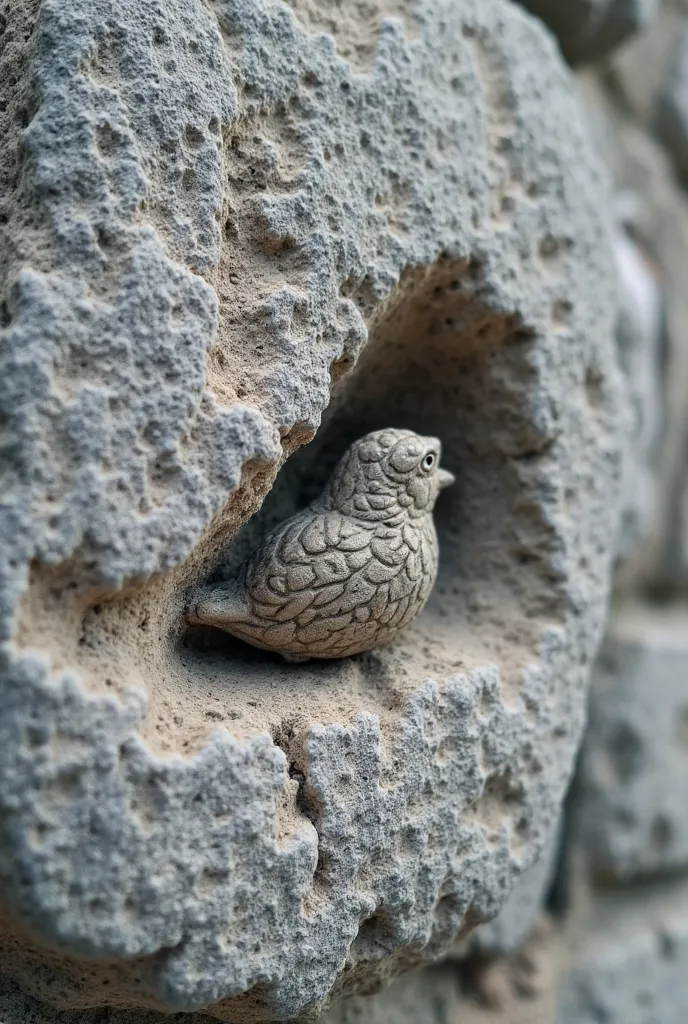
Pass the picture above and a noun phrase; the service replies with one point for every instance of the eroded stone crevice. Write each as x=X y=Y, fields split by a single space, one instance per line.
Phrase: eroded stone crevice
x=438 y=361
x=290 y=737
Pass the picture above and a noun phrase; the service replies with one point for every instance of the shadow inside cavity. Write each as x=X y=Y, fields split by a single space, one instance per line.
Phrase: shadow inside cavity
x=439 y=361
x=208 y=643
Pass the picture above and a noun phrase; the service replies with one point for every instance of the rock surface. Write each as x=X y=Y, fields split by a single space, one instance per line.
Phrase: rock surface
x=588 y=30
x=642 y=68
x=16 y=1007
x=517 y=919
x=634 y=769
x=518 y=990
x=210 y=213
x=653 y=211
x=633 y=966
x=672 y=106
x=507 y=992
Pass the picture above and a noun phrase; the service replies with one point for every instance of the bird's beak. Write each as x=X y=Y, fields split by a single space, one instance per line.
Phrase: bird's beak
x=445 y=478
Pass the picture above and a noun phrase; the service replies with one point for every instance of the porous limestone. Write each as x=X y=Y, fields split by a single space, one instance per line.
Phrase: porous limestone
x=517 y=990
x=223 y=224
x=518 y=918
x=16 y=1007
x=507 y=992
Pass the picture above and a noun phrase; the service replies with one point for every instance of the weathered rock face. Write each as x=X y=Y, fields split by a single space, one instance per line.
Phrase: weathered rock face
x=523 y=988
x=218 y=222
x=647 y=72
x=516 y=921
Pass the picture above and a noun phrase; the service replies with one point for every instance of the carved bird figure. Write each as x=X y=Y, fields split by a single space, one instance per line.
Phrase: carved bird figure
x=349 y=571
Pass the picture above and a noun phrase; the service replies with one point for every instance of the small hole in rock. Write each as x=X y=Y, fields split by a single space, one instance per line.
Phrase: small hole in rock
x=194 y=138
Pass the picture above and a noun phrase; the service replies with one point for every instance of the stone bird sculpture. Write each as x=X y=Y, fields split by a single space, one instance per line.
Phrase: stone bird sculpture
x=349 y=571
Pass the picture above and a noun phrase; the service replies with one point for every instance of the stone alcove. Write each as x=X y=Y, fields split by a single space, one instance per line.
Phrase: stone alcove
x=438 y=361
x=187 y=823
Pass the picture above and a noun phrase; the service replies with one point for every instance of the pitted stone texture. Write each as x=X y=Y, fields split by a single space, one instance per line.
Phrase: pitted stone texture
x=517 y=919
x=589 y=30
x=634 y=769
x=632 y=967
x=523 y=990
x=672 y=571
x=210 y=216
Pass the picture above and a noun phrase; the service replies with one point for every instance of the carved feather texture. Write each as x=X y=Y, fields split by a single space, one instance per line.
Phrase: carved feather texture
x=351 y=570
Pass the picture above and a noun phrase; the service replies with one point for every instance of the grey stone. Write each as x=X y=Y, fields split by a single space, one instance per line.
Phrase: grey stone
x=640 y=69
x=653 y=213
x=589 y=30
x=18 y=1008
x=505 y=993
x=632 y=967
x=517 y=919
x=209 y=216
x=432 y=995
x=672 y=104
x=521 y=989
x=674 y=567
x=640 y=338
x=634 y=768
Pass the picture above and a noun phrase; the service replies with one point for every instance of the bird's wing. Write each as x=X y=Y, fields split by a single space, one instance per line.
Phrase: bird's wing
x=322 y=581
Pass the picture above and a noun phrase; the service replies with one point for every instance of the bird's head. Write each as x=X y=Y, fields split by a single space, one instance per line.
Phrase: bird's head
x=388 y=474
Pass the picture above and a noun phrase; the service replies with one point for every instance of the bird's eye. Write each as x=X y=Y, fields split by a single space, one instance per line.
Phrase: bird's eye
x=429 y=461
